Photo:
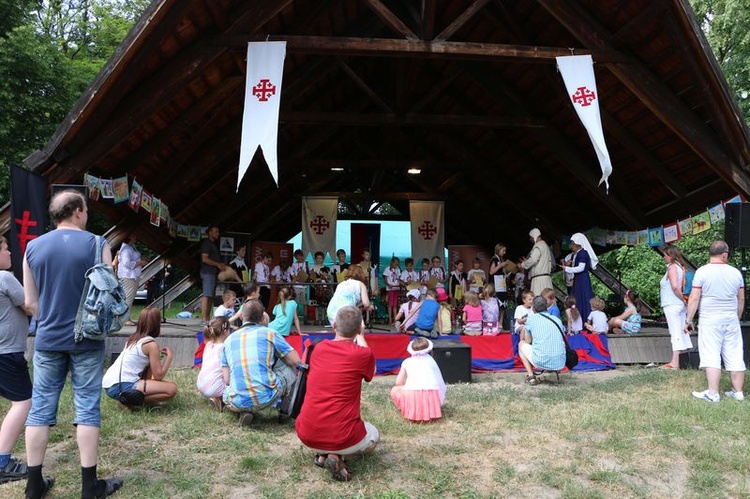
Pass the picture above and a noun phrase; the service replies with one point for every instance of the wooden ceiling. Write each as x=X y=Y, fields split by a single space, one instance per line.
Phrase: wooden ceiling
x=466 y=90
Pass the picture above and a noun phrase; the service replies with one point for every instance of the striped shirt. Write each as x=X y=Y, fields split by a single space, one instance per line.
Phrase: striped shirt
x=250 y=353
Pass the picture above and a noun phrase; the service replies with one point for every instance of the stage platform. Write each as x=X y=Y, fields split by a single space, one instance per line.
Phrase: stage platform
x=489 y=353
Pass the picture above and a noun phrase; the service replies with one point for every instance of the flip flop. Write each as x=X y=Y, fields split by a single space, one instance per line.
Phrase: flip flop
x=338 y=469
x=111 y=485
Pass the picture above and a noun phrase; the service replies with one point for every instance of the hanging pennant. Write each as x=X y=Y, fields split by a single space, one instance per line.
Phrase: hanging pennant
x=656 y=236
x=716 y=213
x=578 y=75
x=686 y=226
x=120 y=188
x=671 y=233
x=260 y=119
x=701 y=222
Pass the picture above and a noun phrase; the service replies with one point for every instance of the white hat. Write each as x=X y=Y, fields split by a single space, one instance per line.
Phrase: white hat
x=414 y=293
x=534 y=233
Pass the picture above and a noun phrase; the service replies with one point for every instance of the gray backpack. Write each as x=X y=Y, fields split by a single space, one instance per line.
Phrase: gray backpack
x=103 y=306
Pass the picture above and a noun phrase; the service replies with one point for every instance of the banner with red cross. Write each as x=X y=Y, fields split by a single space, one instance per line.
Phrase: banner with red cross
x=427 y=229
x=28 y=213
x=260 y=119
x=578 y=75
x=319 y=216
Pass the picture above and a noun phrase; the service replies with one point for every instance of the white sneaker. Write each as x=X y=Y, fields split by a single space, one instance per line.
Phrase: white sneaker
x=704 y=395
x=735 y=395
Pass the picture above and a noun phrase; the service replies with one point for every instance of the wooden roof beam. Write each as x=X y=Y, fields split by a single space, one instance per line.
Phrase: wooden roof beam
x=390 y=19
x=462 y=19
x=370 y=119
x=364 y=86
x=428 y=19
x=649 y=89
x=389 y=47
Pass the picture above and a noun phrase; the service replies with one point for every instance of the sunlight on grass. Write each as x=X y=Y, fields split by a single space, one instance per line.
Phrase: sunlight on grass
x=630 y=433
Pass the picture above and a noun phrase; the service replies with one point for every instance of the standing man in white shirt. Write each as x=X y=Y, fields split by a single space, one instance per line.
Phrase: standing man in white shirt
x=718 y=295
x=129 y=268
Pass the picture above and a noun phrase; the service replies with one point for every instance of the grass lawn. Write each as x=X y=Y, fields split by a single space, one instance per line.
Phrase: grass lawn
x=627 y=433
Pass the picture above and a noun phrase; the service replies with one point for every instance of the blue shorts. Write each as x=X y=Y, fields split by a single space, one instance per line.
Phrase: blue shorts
x=630 y=327
x=50 y=370
x=209 y=284
x=115 y=390
x=15 y=382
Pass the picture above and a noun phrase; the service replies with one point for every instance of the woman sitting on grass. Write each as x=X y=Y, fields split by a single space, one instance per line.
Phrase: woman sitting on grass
x=210 y=381
x=140 y=365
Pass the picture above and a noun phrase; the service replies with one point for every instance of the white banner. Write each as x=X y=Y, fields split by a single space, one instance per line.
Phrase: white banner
x=319 y=215
x=427 y=229
x=578 y=74
x=260 y=120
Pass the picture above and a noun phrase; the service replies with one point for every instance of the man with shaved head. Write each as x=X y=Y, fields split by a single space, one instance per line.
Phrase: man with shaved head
x=53 y=275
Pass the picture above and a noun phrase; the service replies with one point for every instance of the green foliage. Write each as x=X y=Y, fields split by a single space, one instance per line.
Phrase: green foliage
x=726 y=24
x=48 y=57
x=641 y=268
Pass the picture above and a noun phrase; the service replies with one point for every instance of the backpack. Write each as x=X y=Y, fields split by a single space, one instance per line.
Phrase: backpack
x=103 y=306
x=687 y=282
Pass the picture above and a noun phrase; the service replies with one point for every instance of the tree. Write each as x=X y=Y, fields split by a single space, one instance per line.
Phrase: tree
x=726 y=24
x=50 y=51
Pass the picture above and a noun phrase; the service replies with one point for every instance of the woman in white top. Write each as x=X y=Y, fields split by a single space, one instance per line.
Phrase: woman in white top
x=351 y=292
x=673 y=303
x=139 y=366
x=129 y=267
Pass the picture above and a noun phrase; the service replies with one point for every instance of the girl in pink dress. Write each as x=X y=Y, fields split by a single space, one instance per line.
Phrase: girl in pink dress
x=210 y=382
x=420 y=390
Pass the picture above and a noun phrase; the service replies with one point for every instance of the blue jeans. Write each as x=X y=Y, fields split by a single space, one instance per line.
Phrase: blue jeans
x=115 y=390
x=50 y=370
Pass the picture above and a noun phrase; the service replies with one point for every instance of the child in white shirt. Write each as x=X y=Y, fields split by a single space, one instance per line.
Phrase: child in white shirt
x=596 y=322
x=522 y=312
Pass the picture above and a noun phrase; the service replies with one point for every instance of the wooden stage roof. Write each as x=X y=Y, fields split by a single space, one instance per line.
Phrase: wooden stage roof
x=466 y=90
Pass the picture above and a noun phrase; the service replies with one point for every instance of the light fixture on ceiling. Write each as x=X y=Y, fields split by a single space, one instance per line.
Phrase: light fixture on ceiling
x=414 y=171
x=337 y=169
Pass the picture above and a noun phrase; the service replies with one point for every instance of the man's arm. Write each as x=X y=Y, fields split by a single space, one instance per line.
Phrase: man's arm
x=360 y=340
x=31 y=294
x=740 y=302
x=292 y=358
x=692 y=307
x=225 y=375
x=533 y=258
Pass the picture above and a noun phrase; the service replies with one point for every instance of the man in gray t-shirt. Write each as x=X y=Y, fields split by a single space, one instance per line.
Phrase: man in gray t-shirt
x=210 y=267
x=15 y=383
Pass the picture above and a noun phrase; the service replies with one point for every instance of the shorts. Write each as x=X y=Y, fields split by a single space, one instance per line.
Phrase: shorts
x=115 y=390
x=15 y=382
x=208 y=281
x=50 y=370
x=721 y=342
x=630 y=327
x=364 y=446
x=393 y=297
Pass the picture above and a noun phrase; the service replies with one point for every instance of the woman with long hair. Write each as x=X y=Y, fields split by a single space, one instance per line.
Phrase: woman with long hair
x=140 y=365
x=673 y=303
x=351 y=292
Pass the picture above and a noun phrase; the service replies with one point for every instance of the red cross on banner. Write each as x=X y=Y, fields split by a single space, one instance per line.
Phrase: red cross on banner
x=427 y=229
x=319 y=215
x=28 y=204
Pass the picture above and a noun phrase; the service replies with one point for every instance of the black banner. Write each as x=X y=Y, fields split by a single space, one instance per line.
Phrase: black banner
x=28 y=213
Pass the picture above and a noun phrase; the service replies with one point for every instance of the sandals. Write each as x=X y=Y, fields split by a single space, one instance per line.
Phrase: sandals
x=667 y=366
x=320 y=463
x=338 y=470
x=532 y=380
x=47 y=483
x=111 y=485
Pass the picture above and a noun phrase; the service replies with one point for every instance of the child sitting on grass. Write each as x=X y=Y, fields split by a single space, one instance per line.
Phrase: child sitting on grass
x=420 y=389
x=596 y=322
x=629 y=321
x=210 y=382
x=140 y=365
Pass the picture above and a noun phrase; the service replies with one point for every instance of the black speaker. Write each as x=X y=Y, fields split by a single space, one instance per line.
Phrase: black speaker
x=737 y=225
x=453 y=357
